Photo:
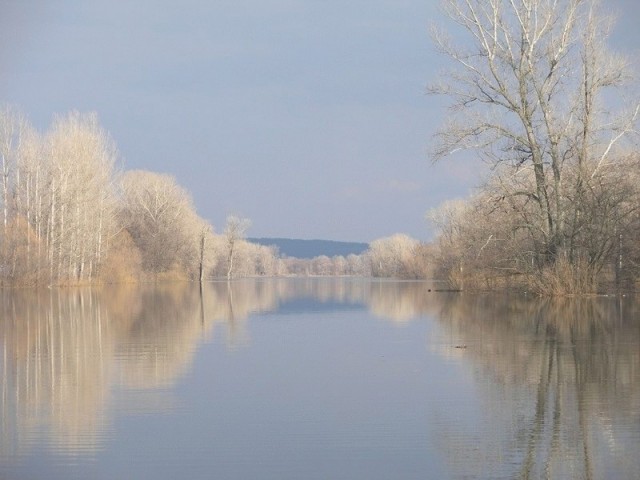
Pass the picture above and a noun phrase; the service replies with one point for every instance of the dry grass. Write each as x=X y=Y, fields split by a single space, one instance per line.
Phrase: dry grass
x=564 y=279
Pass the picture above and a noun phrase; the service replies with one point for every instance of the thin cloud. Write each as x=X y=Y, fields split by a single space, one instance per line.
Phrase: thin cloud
x=365 y=192
x=403 y=186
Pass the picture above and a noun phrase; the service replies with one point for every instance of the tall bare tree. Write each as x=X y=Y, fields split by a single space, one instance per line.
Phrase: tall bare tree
x=205 y=232
x=234 y=233
x=13 y=130
x=528 y=94
x=81 y=160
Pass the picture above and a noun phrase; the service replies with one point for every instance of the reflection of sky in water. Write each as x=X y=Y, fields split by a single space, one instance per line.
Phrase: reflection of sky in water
x=316 y=379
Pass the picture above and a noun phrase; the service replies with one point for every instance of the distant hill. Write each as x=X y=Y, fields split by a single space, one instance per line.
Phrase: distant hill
x=291 y=247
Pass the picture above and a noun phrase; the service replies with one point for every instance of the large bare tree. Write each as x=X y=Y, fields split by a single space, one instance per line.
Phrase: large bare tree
x=80 y=163
x=538 y=95
x=159 y=215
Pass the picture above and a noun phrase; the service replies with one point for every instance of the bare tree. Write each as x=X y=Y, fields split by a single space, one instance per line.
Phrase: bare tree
x=29 y=196
x=234 y=233
x=528 y=96
x=205 y=232
x=161 y=219
x=80 y=167
x=13 y=127
x=265 y=260
x=391 y=256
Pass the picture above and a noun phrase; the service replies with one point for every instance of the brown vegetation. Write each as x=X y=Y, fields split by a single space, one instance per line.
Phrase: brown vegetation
x=538 y=95
x=69 y=217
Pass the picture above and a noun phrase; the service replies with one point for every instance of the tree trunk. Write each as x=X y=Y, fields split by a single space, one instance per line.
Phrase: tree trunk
x=203 y=240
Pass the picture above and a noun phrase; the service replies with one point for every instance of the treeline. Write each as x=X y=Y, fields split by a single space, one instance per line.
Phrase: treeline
x=398 y=256
x=70 y=215
x=483 y=244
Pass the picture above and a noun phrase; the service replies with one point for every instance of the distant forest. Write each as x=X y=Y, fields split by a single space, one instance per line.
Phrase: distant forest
x=308 y=249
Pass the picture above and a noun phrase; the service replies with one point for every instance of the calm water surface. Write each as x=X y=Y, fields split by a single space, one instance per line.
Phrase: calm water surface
x=316 y=379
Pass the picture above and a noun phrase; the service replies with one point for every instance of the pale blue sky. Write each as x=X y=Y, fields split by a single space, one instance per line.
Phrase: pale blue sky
x=309 y=117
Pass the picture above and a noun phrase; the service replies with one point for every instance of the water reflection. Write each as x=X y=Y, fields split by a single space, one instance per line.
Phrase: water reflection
x=64 y=350
x=55 y=366
x=556 y=383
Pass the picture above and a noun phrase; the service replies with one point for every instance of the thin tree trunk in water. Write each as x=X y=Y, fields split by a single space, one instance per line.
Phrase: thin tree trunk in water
x=5 y=199
x=83 y=243
x=5 y=194
x=99 y=245
x=28 y=188
x=50 y=246
x=61 y=241
x=203 y=240
x=230 y=263
x=38 y=213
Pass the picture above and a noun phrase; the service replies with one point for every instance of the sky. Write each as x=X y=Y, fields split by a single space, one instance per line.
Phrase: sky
x=307 y=116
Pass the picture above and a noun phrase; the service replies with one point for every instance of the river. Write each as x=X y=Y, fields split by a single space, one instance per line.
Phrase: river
x=316 y=379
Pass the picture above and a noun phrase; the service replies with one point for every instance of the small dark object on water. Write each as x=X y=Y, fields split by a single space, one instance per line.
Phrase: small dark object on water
x=461 y=346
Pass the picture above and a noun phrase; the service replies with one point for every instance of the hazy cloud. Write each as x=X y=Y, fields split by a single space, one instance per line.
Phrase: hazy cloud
x=404 y=186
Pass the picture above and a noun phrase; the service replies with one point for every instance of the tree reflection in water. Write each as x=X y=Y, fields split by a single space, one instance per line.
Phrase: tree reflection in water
x=557 y=383
x=559 y=379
